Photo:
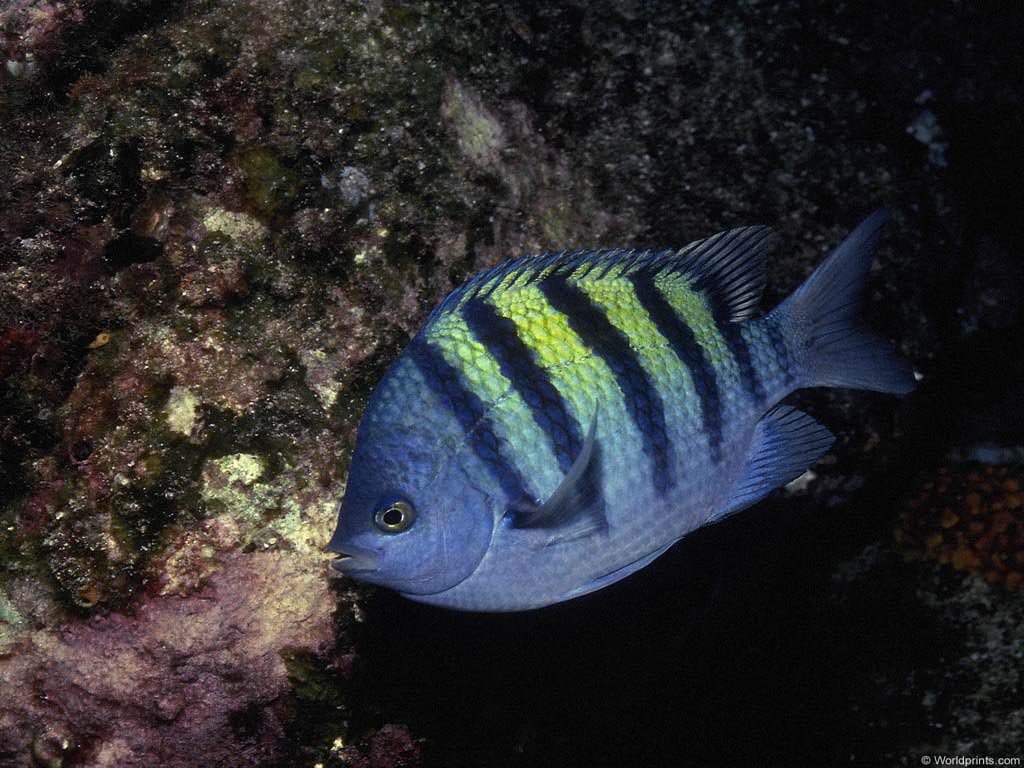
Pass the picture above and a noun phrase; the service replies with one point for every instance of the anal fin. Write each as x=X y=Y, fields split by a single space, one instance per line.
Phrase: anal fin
x=786 y=442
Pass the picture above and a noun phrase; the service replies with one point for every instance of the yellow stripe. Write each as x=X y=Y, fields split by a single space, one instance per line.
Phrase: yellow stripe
x=617 y=296
x=693 y=308
x=513 y=422
x=583 y=379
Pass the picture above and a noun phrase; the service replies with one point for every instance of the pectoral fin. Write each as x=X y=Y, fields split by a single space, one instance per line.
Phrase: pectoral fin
x=576 y=507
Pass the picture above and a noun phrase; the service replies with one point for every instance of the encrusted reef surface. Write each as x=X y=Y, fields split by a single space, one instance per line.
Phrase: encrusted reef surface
x=220 y=221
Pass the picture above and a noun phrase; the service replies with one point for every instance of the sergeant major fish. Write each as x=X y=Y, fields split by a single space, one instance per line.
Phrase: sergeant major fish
x=561 y=420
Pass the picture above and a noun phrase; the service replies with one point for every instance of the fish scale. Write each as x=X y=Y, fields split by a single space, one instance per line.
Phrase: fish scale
x=505 y=419
x=680 y=417
x=701 y=378
x=581 y=378
x=471 y=412
x=637 y=391
x=563 y=419
x=725 y=374
x=617 y=298
x=519 y=367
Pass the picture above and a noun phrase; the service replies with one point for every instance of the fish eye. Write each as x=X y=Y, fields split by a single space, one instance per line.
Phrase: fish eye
x=395 y=517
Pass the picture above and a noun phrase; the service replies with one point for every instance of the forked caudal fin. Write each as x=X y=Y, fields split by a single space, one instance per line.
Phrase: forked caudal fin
x=821 y=322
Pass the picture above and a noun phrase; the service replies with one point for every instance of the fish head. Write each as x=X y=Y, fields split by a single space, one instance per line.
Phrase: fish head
x=418 y=513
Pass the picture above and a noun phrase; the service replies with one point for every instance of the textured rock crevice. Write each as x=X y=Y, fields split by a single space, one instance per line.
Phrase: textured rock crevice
x=204 y=670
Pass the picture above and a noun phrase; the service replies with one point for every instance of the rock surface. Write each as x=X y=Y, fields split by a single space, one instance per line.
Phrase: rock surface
x=204 y=671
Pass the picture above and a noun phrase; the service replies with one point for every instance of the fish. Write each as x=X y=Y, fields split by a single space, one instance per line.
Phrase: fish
x=562 y=419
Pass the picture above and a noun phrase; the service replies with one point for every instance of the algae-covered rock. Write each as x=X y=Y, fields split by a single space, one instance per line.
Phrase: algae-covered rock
x=11 y=621
x=182 y=411
x=205 y=671
x=481 y=137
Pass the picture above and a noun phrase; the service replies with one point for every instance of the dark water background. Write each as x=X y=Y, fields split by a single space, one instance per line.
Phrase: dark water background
x=745 y=644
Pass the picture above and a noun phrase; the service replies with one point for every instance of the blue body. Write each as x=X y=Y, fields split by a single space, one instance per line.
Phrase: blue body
x=562 y=420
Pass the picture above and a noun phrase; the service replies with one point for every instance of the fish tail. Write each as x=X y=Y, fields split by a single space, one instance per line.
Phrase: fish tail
x=821 y=322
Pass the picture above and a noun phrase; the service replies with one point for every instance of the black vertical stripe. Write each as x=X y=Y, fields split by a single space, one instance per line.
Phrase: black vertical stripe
x=740 y=352
x=449 y=385
x=780 y=349
x=642 y=401
x=730 y=330
x=691 y=354
x=517 y=362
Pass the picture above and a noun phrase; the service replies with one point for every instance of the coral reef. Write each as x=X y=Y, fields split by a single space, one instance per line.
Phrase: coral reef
x=206 y=671
x=970 y=517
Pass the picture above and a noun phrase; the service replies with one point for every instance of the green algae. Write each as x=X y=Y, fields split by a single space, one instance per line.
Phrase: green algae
x=310 y=680
x=480 y=136
x=271 y=184
x=107 y=516
x=11 y=622
x=558 y=224
x=242 y=468
x=182 y=411
x=279 y=513
x=233 y=224
x=322 y=711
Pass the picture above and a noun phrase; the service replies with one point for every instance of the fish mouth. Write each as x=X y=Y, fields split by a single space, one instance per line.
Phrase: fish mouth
x=349 y=561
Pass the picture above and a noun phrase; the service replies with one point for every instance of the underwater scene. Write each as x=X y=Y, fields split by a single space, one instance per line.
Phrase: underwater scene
x=453 y=385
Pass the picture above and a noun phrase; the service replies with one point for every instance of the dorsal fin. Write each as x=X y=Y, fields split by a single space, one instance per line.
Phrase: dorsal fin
x=728 y=268
x=505 y=276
